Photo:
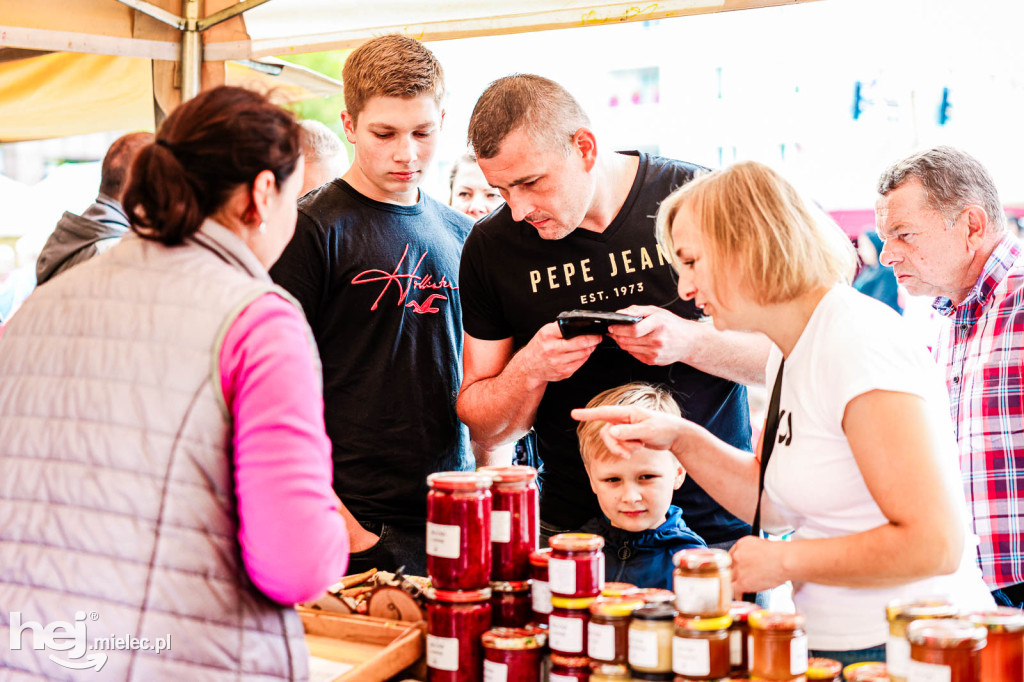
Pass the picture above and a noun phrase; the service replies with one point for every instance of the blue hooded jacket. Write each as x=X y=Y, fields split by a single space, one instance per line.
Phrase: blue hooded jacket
x=645 y=558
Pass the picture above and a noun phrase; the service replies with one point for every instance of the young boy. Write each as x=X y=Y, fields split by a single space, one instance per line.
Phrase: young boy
x=375 y=264
x=641 y=527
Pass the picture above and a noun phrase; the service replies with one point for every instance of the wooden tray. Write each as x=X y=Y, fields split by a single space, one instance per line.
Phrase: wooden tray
x=378 y=649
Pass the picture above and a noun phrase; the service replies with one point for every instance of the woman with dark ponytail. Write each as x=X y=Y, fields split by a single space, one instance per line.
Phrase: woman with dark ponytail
x=162 y=443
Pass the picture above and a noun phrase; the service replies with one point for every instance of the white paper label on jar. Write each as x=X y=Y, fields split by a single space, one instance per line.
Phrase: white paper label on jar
x=501 y=526
x=600 y=571
x=735 y=648
x=601 y=641
x=750 y=651
x=691 y=656
x=562 y=576
x=798 y=656
x=555 y=677
x=643 y=648
x=928 y=672
x=442 y=653
x=697 y=595
x=443 y=541
x=540 y=593
x=565 y=634
x=897 y=655
x=495 y=672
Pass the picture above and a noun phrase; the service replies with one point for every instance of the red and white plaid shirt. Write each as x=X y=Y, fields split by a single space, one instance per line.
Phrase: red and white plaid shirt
x=983 y=353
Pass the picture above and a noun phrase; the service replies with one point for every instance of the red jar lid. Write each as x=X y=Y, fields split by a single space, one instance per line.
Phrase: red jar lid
x=576 y=542
x=702 y=558
x=458 y=480
x=775 y=620
x=514 y=638
x=1001 y=619
x=510 y=474
x=511 y=585
x=911 y=609
x=870 y=671
x=655 y=595
x=618 y=589
x=945 y=633
x=540 y=557
x=459 y=596
x=741 y=610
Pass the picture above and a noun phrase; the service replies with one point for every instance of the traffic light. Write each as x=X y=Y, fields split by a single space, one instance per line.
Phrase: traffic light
x=944 y=107
x=858 y=101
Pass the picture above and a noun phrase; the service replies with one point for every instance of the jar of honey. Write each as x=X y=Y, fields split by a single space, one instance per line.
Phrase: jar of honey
x=900 y=613
x=945 y=649
x=514 y=520
x=455 y=622
x=567 y=626
x=702 y=582
x=608 y=629
x=869 y=671
x=514 y=654
x=458 y=530
x=739 y=635
x=540 y=592
x=1002 y=659
x=576 y=566
x=700 y=648
x=650 y=639
x=778 y=646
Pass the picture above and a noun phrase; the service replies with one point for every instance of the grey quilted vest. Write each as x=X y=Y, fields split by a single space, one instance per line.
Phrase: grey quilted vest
x=117 y=494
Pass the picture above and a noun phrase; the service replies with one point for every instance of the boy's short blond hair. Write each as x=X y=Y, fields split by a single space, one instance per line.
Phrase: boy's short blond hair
x=391 y=65
x=648 y=396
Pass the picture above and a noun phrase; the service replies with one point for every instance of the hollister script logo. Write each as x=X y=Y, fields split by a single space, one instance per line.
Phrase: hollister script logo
x=406 y=284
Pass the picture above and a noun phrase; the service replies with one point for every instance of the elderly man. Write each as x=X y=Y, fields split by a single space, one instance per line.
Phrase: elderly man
x=945 y=236
x=325 y=155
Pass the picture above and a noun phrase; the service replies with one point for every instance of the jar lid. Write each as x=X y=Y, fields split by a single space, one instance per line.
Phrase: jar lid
x=514 y=638
x=616 y=606
x=741 y=610
x=823 y=668
x=576 y=603
x=540 y=557
x=515 y=473
x=944 y=633
x=1000 y=619
x=570 y=661
x=703 y=624
x=702 y=558
x=576 y=542
x=655 y=595
x=655 y=612
x=654 y=677
x=912 y=609
x=609 y=670
x=868 y=671
x=459 y=596
x=511 y=585
x=458 y=480
x=618 y=589
x=775 y=620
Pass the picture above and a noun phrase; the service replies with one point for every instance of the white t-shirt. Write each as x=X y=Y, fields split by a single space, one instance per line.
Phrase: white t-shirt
x=851 y=345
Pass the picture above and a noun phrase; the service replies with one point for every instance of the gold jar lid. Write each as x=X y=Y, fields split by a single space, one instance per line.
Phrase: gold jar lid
x=703 y=624
x=702 y=559
x=775 y=620
x=914 y=609
x=616 y=607
x=1001 y=619
x=572 y=603
x=576 y=542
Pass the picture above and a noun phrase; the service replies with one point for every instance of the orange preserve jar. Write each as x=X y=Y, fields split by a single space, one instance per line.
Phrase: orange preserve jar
x=514 y=654
x=459 y=530
x=739 y=635
x=946 y=649
x=1002 y=659
x=514 y=519
x=576 y=566
x=608 y=629
x=702 y=582
x=778 y=646
x=900 y=613
x=869 y=671
x=700 y=648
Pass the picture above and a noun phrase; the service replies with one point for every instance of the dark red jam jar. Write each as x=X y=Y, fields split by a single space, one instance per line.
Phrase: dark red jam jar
x=514 y=520
x=569 y=668
x=567 y=626
x=540 y=592
x=514 y=654
x=510 y=604
x=576 y=567
x=459 y=530
x=455 y=622
x=946 y=649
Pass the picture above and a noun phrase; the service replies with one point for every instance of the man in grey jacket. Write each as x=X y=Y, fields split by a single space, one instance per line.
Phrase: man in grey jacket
x=78 y=238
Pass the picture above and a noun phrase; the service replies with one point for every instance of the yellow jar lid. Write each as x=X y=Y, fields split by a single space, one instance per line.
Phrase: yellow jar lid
x=703 y=624
x=616 y=606
x=572 y=602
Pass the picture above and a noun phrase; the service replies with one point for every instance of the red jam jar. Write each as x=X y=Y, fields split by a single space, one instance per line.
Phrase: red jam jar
x=576 y=566
x=459 y=530
x=778 y=646
x=618 y=589
x=513 y=654
x=700 y=648
x=703 y=582
x=1002 y=659
x=510 y=603
x=869 y=671
x=739 y=635
x=540 y=592
x=569 y=669
x=608 y=629
x=514 y=520
x=455 y=622
x=946 y=649
x=567 y=626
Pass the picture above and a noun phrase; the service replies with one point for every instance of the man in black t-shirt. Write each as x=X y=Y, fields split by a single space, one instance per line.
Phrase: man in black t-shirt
x=577 y=231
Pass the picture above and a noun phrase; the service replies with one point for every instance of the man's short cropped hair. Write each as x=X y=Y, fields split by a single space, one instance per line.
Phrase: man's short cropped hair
x=318 y=141
x=536 y=104
x=118 y=161
x=952 y=179
x=756 y=227
x=649 y=396
x=391 y=65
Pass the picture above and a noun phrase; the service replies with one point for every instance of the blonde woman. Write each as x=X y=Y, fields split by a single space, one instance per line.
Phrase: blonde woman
x=863 y=471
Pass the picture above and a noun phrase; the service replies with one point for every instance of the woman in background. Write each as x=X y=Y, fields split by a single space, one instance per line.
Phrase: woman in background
x=470 y=192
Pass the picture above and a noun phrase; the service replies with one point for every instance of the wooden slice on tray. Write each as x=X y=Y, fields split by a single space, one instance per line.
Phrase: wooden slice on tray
x=394 y=604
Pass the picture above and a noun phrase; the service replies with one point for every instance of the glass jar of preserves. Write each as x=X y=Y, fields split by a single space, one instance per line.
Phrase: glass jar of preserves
x=826 y=669
x=739 y=635
x=455 y=622
x=608 y=672
x=458 y=530
x=514 y=654
x=653 y=596
x=569 y=668
x=608 y=630
x=514 y=520
x=869 y=671
x=650 y=639
x=618 y=589
x=511 y=604
x=540 y=591
x=703 y=582
x=576 y=566
x=1002 y=659
x=700 y=648
x=945 y=649
x=778 y=646
x=567 y=625
x=899 y=613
